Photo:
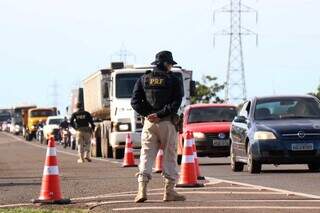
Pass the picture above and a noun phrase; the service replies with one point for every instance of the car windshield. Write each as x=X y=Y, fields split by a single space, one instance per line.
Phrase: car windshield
x=287 y=108
x=42 y=113
x=212 y=114
x=125 y=84
x=55 y=121
x=4 y=117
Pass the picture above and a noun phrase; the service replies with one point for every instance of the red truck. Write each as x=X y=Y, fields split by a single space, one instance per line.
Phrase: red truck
x=210 y=124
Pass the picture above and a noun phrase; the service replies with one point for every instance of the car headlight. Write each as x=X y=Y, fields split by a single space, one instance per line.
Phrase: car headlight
x=264 y=135
x=199 y=135
x=123 y=127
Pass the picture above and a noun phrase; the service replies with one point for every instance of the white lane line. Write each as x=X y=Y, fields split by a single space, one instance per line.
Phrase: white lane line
x=182 y=192
x=217 y=208
x=59 y=151
x=266 y=188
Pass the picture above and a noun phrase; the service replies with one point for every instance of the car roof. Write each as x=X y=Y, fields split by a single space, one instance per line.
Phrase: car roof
x=283 y=97
x=192 y=106
x=55 y=117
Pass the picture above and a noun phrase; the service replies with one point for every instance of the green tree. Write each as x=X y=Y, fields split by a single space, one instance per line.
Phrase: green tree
x=207 y=91
x=317 y=94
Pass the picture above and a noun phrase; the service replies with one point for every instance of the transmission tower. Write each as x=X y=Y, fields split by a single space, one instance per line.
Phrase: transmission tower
x=235 y=91
x=123 y=55
x=55 y=93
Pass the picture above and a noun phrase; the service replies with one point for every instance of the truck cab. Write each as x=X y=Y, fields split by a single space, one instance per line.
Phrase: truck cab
x=33 y=118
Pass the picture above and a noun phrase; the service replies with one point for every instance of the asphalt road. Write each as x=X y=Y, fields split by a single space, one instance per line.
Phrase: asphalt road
x=104 y=186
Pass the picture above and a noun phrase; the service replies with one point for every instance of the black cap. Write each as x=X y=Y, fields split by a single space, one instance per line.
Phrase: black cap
x=164 y=56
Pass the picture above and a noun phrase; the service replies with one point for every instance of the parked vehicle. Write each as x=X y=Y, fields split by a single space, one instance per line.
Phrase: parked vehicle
x=52 y=127
x=110 y=106
x=16 y=125
x=5 y=116
x=34 y=116
x=210 y=124
x=276 y=130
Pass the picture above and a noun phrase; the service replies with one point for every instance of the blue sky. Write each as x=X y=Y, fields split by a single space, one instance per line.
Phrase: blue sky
x=44 y=40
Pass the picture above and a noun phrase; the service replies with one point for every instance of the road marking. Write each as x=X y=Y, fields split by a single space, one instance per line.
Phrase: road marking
x=266 y=188
x=217 y=208
x=59 y=151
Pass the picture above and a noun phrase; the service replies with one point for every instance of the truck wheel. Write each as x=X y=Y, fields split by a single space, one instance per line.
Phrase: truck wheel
x=314 y=167
x=254 y=167
x=118 y=153
x=235 y=166
x=179 y=159
x=109 y=153
x=28 y=137
x=98 y=147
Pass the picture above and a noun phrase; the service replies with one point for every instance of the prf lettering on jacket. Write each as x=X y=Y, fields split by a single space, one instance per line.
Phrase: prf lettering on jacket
x=156 y=82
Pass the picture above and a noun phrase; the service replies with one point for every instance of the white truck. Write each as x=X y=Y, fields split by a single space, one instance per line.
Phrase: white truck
x=107 y=95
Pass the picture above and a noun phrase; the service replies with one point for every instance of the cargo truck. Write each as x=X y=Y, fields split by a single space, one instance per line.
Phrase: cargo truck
x=107 y=95
x=32 y=118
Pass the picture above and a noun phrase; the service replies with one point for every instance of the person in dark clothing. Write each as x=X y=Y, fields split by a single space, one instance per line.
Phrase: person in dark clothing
x=82 y=122
x=65 y=133
x=157 y=96
x=64 y=124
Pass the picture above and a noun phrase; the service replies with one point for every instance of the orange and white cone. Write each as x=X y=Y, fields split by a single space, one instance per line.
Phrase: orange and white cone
x=159 y=162
x=50 y=188
x=128 y=160
x=188 y=176
x=196 y=162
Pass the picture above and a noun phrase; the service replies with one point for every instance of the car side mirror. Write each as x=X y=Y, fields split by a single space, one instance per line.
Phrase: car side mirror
x=240 y=119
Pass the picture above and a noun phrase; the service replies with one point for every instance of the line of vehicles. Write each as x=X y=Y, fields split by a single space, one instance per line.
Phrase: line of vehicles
x=263 y=130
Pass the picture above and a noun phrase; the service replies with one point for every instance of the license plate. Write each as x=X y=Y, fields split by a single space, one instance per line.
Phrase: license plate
x=302 y=146
x=221 y=142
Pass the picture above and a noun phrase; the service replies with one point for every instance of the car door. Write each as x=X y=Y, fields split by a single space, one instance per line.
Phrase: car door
x=241 y=129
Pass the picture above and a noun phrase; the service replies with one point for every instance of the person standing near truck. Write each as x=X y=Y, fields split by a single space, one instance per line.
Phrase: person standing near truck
x=82 y=122
x=157 y=96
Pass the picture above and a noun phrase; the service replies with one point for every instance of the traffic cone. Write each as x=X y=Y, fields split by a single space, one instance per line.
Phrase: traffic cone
x=50 y=188
x=196 y=162
x=159 y=162
x=128 y=160
x=188 y=176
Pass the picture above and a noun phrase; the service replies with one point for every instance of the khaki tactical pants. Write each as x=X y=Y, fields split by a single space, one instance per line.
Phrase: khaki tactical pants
x=83 y=138
x=154 y=135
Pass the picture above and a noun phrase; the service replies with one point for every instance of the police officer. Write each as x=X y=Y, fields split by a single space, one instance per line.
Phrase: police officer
x=80 y=121
x=157 y=96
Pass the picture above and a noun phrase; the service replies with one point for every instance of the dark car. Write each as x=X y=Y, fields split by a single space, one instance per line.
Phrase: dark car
x=276 y=130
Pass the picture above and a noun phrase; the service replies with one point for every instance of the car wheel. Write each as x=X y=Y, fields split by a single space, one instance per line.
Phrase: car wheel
x=235 y=166
x=314 y=167
x=254 y=167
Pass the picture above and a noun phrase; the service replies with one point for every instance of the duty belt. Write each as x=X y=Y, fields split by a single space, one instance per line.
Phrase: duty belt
x=84 y=129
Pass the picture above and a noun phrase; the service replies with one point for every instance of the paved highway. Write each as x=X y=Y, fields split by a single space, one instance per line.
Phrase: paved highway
x=103 y=186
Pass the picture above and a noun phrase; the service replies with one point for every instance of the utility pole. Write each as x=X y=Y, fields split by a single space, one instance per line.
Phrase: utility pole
x=235 y=91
